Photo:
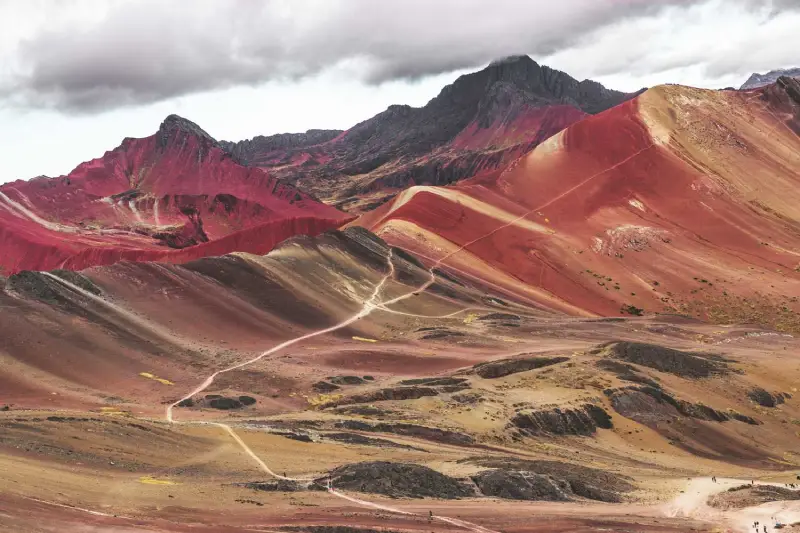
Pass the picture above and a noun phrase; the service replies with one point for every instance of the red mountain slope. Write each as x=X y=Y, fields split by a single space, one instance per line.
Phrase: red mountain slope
x=173 y=196
x=681 y=200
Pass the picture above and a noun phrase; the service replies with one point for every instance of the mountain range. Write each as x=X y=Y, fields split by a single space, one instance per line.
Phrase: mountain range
x=760 y=80
x=532 y=305
x=479 y=123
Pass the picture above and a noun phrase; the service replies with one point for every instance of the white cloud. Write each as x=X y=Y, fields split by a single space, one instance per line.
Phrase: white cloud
x=77 y=76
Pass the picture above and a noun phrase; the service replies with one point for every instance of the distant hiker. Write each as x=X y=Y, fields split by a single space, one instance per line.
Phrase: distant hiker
x=430 y=516
x=284 y=473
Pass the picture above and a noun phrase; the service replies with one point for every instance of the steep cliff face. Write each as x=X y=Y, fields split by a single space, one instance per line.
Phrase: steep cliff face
x=479 y=123
x=177 y=189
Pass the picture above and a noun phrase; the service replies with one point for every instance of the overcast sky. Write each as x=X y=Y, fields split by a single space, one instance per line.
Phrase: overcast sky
x=78 y=76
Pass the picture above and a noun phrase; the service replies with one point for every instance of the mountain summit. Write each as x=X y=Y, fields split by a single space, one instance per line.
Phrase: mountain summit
x=478 y=123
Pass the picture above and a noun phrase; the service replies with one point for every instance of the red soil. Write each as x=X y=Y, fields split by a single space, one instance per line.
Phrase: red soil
x=678 y=196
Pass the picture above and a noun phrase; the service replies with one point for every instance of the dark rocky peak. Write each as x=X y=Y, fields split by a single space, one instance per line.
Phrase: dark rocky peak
x=176 y=128
x=757 y=80
x=244 y=151
x=791 y=86
x=539 y=85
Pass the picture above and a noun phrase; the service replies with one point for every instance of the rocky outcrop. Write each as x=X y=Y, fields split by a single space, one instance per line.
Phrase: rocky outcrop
x=217 y=401
x=521 y=485
x=273 y=148
x=514 y=478
x=791 y=86
x=346 y=380
x=324 y=387
x=757 y=80
x=412 y=430
x=650 y=405
x=766 y=399
x=663 y=359
x=505 y=367
x=397 y=480
x=384 y=395
x=277 y=485
x=361 y=440
x=625 y=372
x=584 y=420
x=434 y=382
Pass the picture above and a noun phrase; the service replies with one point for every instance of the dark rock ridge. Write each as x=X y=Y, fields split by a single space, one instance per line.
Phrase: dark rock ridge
x=521 y=485
x=626 y=372
x=261 y=148
x=757 y=80
x=361 y=440
x=683 y=364
x=584 y=420
x=508 y=479
x=388 y=394
x=408 y=390
x=568 y=480
x=791 y=86
x=434 y=382
x=324 y=387
x=765 y=399
x=505 y=367
x=411 y=430
x=217 y=401
x=346 y=380
x=277 y=485
x=398 y=480
x=477 y=124
x=175 y=128
x=364 y=410
x=649 y=405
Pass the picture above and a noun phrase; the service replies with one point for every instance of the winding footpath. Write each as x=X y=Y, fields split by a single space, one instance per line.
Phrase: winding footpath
x=372 y=303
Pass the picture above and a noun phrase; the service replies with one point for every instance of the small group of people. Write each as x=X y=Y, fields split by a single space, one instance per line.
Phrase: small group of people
x=791 y=485
x=756 y=524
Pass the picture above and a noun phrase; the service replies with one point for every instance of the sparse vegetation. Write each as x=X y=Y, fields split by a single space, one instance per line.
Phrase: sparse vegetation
x=632 y=310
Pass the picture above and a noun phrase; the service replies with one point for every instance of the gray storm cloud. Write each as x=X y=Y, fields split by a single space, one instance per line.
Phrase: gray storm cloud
x=148 y=51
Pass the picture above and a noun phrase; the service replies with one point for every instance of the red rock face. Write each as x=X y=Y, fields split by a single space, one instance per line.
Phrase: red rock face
x=682 y=200
x=170 y=197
